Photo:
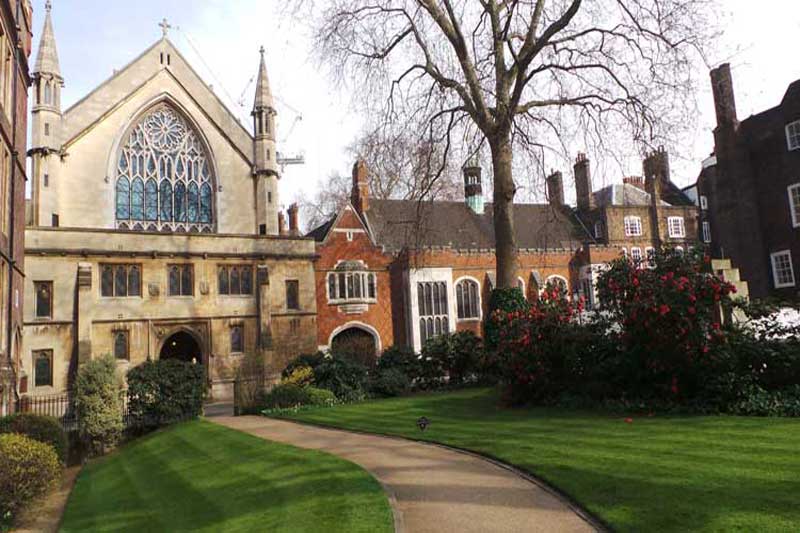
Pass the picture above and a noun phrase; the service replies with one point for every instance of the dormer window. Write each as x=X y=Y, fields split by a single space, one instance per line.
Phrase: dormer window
x=633 y=226
x=793 y=135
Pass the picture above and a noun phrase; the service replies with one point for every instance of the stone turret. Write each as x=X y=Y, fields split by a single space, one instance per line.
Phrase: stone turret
x=265 y=166
x=46 y=120
x=473 y=187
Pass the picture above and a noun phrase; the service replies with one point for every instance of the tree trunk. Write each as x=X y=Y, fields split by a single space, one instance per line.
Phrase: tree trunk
x=505 y=240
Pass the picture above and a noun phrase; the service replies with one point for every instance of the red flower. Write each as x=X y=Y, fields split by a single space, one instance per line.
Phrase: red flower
x=629 y=420
x=692 y=310
x=663 y=309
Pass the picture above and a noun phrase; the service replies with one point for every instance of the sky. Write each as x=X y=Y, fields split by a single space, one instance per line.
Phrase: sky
x=221 y=38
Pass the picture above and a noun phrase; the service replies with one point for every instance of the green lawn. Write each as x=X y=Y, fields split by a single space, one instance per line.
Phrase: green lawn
x=198 y=476
x=678 y=473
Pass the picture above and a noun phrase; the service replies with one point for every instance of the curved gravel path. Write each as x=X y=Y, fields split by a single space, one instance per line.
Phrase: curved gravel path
x=431 y=488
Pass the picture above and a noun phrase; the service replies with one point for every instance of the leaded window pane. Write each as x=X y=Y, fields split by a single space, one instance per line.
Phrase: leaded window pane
x=247 y=280
x=187 y=287
x=222 y=280
x=123 y=199
x=137 y=199
x=134 y=281
x=174 y=281
x=180 y=202
x=121 y=345
x=151 y=200
x=120 y=281
x=43 y=368
x=163 y=147
x=236 y=287
x=44 y=299
x=193 y=199
x=166 y=201
x=331 y=287
x=107 y=281
x=372 y=285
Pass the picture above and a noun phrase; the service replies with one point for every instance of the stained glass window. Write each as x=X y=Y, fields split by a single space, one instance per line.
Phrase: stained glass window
x=164 y=176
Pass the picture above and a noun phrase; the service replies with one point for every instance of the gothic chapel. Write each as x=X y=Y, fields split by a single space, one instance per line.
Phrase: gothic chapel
x=153 y=228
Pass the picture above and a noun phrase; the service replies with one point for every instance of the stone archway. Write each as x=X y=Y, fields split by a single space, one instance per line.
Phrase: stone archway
x=183 y=346
x=357 y=344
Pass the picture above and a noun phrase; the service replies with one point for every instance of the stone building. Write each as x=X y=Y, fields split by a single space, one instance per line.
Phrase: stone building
x=153 y=227
x=400 y=271
x=749 y=190
x=15 y=49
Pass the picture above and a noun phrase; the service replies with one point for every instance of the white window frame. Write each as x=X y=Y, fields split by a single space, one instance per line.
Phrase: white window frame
x=636 y=254
x=363 y=277
x=650 y=257
x=632 y=223
x=703 y=202
x=706 y=231
x=773 y=257
x=794 y=209
x=793 y=135
x=680 y=227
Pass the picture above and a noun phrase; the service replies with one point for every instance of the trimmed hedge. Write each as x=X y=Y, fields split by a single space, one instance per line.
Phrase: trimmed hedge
x=28 y=469
x=46 y=429
x=165 y=391
x=287 y=395
x=98 y=404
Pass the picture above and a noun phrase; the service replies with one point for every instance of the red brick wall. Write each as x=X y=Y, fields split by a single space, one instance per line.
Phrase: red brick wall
x=337 y=248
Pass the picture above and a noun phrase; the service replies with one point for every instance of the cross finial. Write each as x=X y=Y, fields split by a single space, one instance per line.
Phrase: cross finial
x=261 y=50
x=48 y=6
x=164 y=27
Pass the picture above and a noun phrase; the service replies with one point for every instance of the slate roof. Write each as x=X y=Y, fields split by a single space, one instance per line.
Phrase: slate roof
x=320 y=232
x=622 y=194
x=454 y=224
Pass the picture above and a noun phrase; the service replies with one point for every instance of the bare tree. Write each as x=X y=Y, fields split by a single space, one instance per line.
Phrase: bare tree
x=526 y=78
x=400 y=167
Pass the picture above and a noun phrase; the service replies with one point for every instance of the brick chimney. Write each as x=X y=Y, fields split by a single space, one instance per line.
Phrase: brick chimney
x=636 y=181
x=281 y=224
x=555 y=189
x=656 y=164
x=294 y=228
x=583 y=183
x=724 y=101
x=473 y=186
x=359 y=195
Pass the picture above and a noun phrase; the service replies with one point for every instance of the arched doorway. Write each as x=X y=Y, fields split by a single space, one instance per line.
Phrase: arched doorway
x=183 y=346
x=356 y=344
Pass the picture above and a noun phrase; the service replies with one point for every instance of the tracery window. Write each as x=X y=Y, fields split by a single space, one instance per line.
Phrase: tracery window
x=180 y=280
x=120 y=280
x=433 y=309
x=235 y=279
x=164 y=177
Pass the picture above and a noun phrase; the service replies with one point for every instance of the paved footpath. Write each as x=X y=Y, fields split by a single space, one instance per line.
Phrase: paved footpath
x=431 y=489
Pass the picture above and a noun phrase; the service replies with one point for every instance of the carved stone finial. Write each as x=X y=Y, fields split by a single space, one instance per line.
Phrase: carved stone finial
x=48 y=6
x=261 y=50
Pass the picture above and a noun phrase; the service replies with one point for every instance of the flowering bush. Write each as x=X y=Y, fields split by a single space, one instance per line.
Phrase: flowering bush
x=540 y=347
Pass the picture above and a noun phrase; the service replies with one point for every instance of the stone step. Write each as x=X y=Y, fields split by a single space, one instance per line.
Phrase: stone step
x=720 y=264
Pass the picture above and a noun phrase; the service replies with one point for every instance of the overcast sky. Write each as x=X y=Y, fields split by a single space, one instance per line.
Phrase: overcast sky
x=220 y=38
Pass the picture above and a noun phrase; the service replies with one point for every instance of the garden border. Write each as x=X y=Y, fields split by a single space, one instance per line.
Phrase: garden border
x=596 y=522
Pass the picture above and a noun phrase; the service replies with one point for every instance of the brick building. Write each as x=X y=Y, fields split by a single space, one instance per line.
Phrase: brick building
x=749 y=190
x=402 y=271
x=15 y=49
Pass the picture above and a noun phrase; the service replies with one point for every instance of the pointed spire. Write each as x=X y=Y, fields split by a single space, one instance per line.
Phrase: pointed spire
x=47 y=57
x=263 y=93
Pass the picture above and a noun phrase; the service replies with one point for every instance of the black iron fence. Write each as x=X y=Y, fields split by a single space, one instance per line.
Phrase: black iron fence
x=62 y=407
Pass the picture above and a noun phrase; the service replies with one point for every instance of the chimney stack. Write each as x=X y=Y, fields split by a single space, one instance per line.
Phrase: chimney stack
x=473 y=186
x=294 y=228
x=281 y=224
x=555 y=189
x=359 y=195
x=724 y=101
x=583 y=183
x=636 y=181
x=656 y=167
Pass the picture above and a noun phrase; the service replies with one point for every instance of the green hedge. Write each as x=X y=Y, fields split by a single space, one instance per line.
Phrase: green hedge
x=288 y=395
x=28 y=469
x=46 y=429
x=165 y=391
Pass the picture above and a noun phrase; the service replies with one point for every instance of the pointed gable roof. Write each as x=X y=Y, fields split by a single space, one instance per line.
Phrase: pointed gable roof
x=47 y=56
x=116 y=90
x=263 y=98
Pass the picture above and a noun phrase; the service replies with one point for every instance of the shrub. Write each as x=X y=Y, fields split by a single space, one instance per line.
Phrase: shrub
x=164 y=391
x=759 y=402
x=505 y=300
x=301 y=375
x=46 y=429
x=312 y=360
x=390 y=382
x=28 y=468
x=288 y=395
x=454 y=357
x=97 y=404
x=346 y=379
x=401 y=358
